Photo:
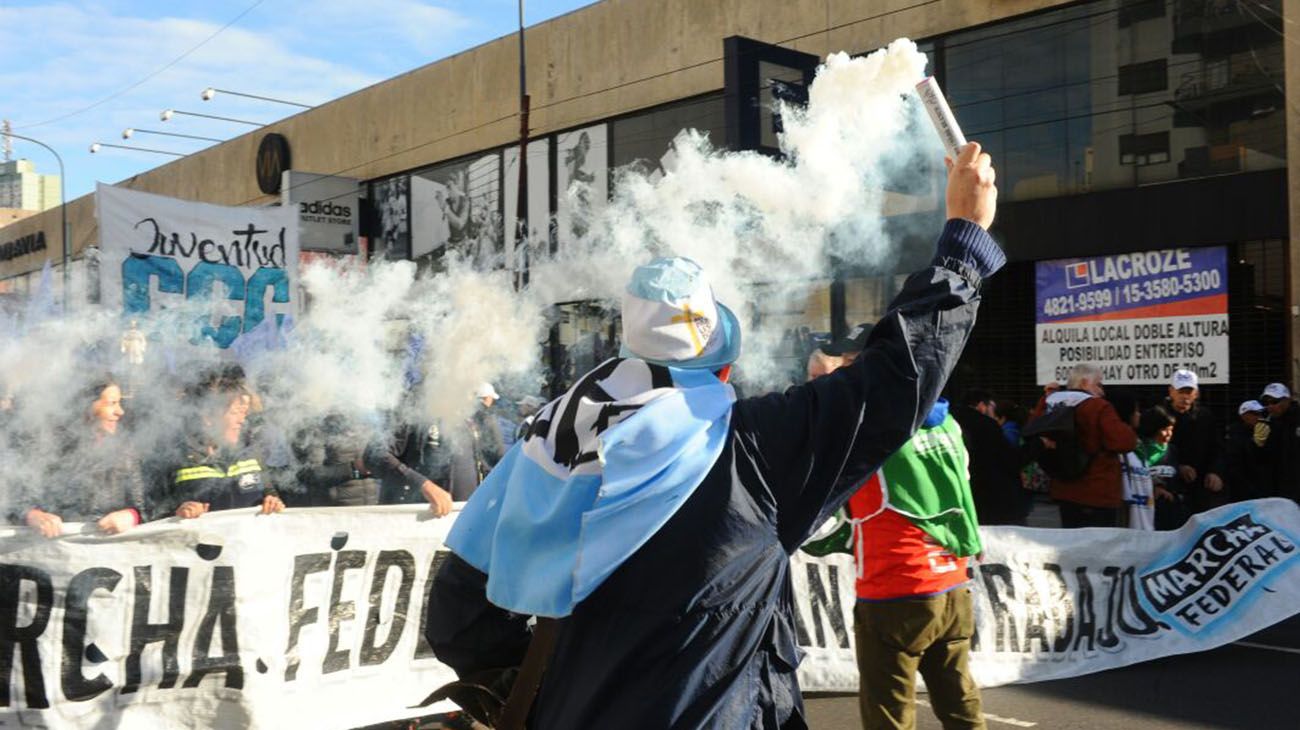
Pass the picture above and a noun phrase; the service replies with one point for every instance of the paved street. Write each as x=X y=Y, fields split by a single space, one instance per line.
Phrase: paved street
x=1252 y=685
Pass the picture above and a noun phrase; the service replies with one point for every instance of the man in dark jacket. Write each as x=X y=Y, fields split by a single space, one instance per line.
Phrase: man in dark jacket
x=692 y=625
x=1198 y=439
x=994 y=462
x=1283 y=440
x=1246 y=457
x=478 y=448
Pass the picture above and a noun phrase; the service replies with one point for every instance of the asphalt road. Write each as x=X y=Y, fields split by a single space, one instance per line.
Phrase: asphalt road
x=1250 y=685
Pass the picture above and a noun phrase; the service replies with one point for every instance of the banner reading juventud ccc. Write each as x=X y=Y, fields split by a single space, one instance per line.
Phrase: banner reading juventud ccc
x=315 y=617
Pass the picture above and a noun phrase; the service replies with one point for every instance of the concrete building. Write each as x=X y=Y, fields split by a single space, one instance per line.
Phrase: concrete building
x=22 y=187
x=1117 y=125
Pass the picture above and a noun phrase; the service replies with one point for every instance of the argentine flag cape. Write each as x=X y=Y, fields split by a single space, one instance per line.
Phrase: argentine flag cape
x=600 y=471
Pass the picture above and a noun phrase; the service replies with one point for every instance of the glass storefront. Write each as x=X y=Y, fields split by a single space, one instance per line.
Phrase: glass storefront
x=1117 y=93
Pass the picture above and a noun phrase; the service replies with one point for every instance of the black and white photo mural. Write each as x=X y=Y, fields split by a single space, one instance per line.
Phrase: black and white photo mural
x=392 y=240
x=456 y=207
x=539 y=203
x=582 y=180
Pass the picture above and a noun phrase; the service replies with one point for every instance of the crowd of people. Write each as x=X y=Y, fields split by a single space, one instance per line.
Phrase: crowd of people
x=118 y=461
x=1106 y=459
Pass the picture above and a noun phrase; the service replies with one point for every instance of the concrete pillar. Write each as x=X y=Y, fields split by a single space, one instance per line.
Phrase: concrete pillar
x=1291 y=51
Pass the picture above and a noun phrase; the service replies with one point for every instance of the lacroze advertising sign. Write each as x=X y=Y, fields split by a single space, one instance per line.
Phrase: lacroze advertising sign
x=1139 y=316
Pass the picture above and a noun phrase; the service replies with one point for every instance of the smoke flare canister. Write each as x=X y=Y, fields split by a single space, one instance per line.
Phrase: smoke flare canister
x=941 y=115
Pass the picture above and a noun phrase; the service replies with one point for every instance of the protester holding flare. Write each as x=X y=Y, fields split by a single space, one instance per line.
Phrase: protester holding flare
x=98 y=477
x=657 y=514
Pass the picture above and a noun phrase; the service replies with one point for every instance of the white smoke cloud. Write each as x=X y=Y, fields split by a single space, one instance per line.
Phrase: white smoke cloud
x=382 y=344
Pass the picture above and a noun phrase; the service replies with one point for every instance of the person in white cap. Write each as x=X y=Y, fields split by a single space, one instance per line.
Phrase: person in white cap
x=1246 y=462
x=478 y=448
x=655 y=514
x=1198 y=439
x=1284 y=440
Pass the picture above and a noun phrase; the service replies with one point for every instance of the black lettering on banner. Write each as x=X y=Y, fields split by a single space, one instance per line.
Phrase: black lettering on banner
x=168 y=632
x=423 y=649
x=1107 y=638
x=1087 y=615
x=303 y=565
x=1066 y=607
x=337 y=659
x=23 y=637
x=1005 y=638
x=1035 y=618
x=1135 y=621
x=817 y=600
x=221 y=608
x=405 y=563
x=75 y=685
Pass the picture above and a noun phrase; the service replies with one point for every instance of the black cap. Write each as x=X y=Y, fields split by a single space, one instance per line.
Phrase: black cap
x=854 y=341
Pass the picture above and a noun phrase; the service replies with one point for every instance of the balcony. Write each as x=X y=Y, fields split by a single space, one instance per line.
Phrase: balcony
x=1196 y=21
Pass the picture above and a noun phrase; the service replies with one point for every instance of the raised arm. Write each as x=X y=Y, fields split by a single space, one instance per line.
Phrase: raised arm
x=813 y=445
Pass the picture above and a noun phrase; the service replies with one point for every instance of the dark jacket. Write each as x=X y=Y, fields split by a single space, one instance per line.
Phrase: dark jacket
x=1103 y=435
x=994 y=469
x=401 y=464
x=1246 y=463
x=92 y=479
x=1198 y=439
x=474 y=453
x=696 y=629
x=333 y=467
x=1284 y=453
x=229 y=478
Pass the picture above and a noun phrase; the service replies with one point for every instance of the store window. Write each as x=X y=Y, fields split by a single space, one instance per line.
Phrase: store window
x=390 y=199
x=645 y=137
x=456 y=207
x=585 y=334
x=1052 y=95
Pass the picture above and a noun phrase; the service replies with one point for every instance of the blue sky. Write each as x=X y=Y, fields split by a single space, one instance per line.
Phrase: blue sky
x=58 y=58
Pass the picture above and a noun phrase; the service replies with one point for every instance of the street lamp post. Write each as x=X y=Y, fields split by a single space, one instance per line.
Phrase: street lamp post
x=167 y=114
x=95 y=147
x=63 y=210
x=210 y=93
x=130 y=132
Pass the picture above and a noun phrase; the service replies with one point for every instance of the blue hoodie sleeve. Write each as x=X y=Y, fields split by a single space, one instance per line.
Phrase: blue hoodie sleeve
x=810 y=447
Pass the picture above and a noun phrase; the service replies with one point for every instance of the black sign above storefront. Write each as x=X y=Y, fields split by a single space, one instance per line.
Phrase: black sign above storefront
x=22 y=246
x=272 y=160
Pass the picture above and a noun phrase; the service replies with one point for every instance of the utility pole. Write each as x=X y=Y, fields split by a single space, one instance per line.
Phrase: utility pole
x=521 y=199
x=5 y=130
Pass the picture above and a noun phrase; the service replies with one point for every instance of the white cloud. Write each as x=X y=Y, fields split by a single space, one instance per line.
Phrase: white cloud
x=57 y=58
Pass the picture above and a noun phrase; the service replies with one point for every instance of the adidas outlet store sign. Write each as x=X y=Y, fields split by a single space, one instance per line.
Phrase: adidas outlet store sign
x=328 y=210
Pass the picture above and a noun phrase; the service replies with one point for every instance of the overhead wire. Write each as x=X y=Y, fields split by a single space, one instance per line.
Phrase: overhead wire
x=149 y=76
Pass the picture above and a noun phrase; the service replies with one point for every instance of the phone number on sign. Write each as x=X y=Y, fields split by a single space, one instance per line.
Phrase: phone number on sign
x=1152 y=290
x=1172 y=286
x=1080 y=303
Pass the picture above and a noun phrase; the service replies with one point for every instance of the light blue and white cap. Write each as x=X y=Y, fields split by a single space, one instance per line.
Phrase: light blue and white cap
x=1250 y=406
x=671 y=318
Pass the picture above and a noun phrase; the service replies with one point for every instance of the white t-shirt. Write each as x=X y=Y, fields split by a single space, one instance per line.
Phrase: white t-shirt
x=1139 y=494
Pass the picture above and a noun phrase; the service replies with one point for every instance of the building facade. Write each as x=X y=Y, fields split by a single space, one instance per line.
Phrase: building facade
x=23 y=188
x=1116 y=125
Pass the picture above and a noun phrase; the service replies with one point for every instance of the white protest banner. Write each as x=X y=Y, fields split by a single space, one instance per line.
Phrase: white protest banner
x=1139 y=316
x=308 y=618
x=1060 y=603
x=314 y=617
x=159 y=252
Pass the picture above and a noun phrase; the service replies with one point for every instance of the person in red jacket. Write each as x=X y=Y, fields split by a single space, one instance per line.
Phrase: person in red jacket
x=1094 y=499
